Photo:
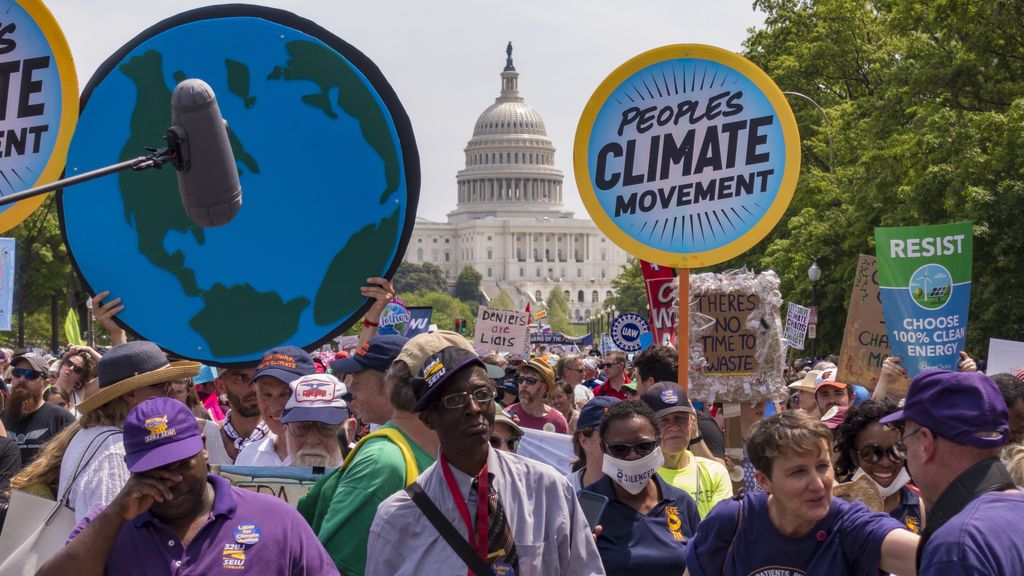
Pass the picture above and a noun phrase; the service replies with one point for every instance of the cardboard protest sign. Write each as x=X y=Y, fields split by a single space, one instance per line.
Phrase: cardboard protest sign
x=288 y=483
x=502 y=330
x=924 y=274
x=736 y=332
x=658 y=280
x=797 y=319
x=1004 y=356
x=687 y=155
x=40 y=105
x=865 y=340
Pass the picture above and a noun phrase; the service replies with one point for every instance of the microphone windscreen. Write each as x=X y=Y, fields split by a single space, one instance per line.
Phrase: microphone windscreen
x=208 y=184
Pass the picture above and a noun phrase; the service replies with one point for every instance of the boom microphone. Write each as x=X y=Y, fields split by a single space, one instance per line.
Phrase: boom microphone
x=207 y=174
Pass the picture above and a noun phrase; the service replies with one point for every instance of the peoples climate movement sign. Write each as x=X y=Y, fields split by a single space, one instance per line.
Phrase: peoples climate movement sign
x=687 y=155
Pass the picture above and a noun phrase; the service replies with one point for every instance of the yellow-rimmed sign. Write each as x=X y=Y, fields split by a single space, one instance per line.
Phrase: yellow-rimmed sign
x=39 y=108
x=687 y=155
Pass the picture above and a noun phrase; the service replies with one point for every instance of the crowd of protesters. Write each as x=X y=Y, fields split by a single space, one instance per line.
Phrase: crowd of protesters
x=421 y=446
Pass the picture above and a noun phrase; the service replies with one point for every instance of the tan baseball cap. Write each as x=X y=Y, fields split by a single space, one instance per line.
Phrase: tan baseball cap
x=419 y=347
x=807 y=383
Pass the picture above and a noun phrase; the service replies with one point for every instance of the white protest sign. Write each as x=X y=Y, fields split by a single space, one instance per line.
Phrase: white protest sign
x=1004 y=356
x=502 y=330
x=797 y=319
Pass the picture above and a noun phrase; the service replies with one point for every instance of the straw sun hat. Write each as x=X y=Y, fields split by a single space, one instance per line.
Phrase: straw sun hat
x=132 y=366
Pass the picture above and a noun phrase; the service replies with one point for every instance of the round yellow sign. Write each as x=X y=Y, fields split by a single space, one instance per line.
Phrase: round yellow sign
x=38 y=104
x=687 y=155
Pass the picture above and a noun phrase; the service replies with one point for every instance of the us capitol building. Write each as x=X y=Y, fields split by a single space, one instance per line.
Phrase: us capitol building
x=510 y=223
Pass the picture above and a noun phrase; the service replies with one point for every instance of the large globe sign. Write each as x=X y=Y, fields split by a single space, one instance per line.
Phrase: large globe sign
x=329 y=174
x=39 y=106
x=687 y=155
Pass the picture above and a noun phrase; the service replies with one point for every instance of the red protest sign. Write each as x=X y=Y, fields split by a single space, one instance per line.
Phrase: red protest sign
x=658 y=280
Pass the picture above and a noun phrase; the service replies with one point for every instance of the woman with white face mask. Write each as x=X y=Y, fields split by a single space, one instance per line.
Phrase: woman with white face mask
x=647 y=522
x=868 y=448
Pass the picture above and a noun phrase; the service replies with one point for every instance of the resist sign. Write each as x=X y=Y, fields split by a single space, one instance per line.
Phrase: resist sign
x=687 y=155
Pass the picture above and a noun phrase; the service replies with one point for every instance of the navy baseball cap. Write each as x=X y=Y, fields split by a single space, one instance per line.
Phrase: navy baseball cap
x=964 y=407
x=158 y=432
x=665 y=398
x=376 y=354
x=286 y=363
x=592 y=413
x=438 y=369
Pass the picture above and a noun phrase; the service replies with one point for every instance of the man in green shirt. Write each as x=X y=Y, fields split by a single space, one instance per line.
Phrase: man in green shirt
x=340 y=508
x=707 y=481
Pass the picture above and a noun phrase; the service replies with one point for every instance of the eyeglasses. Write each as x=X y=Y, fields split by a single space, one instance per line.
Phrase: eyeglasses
x=497 y=443
x=302 y=429
x=873 y=454
x=74 y=367
x=26 y=374
x=620 y=451
x=480 y=395
x=900 y=447
x=604 y=365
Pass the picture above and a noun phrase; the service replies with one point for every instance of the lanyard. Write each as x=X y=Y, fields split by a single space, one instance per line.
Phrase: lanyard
x=480 y=542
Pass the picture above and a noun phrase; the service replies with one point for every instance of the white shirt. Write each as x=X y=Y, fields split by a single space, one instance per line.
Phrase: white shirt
x=102 y=476
x=216 y=453
x=550 y=532
x=261 y=453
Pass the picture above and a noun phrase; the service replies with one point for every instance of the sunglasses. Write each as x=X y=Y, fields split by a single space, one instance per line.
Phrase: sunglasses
x=74 y=367
x=460 y=399
x=302 y=429
x=577 y=370
x=26 y=373
x=530 y=381
x=604 y=365
x=873 y=454
x=511 y=443
x=620 y=451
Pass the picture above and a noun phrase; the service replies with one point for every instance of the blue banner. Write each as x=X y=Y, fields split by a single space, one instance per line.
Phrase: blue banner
x=560 y=338
x=924 y=276
x=419 y=320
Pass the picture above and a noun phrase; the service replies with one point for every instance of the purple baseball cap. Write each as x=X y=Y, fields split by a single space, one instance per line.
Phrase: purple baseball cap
x=964 y=407
x=158 y=432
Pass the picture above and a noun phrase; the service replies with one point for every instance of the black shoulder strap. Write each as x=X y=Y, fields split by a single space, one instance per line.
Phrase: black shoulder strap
x=447 y=531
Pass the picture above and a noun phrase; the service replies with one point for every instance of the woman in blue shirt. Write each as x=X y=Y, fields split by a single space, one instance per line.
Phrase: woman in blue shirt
x=866 y=448
x=647 y=522
x=796 y=526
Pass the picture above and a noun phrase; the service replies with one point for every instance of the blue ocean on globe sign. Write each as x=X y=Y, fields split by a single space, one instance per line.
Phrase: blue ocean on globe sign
x=329 y=178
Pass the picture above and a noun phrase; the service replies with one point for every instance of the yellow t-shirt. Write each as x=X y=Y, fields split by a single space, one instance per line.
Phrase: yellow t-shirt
x=705 y=480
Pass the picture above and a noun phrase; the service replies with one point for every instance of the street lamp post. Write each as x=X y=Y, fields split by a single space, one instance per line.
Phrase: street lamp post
x=814 y=274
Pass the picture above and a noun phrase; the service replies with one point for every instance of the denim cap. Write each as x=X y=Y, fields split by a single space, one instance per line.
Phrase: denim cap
x=964 y=407
x=376 y=354
x=286 y=363
x=158 y=432
x=592 y=413
x=439 y=369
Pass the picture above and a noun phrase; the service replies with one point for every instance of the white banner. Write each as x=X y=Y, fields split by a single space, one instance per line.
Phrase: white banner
x=1004 y=356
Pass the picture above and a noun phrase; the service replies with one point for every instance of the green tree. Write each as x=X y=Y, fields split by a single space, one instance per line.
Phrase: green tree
x=411 y=277
x=558 y=310
x=502 y=302
x=467 y=285
x=629 y=291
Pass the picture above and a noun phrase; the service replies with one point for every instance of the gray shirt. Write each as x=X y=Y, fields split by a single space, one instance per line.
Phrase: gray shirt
x=551 y=534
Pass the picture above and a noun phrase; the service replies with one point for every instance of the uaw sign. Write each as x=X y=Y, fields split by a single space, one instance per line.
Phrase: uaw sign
x=687 y=155
x=631 y=333
x=38 y=103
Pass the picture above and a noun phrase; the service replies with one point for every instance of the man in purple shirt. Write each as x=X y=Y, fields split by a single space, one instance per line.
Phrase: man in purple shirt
x=174 y=518
x=954 y=425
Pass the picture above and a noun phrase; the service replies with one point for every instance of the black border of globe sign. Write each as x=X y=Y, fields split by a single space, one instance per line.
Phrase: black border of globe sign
x=403 y=127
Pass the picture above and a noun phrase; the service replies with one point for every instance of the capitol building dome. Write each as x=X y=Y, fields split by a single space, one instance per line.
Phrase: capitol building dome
x=510 y=161
x=509 y=222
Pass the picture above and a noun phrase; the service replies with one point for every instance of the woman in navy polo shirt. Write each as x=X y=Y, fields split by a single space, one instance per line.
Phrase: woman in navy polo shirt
x=647 y=522
x=867 y=447
x=795 y=526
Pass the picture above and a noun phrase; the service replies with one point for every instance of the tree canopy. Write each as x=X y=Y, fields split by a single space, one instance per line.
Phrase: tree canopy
x=467 y=285
x=412 y=277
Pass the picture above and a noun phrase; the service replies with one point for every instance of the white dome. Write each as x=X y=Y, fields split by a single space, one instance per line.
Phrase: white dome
x=509 y=117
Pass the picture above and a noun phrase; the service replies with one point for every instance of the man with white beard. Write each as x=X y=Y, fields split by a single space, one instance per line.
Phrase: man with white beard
x=317 y=418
